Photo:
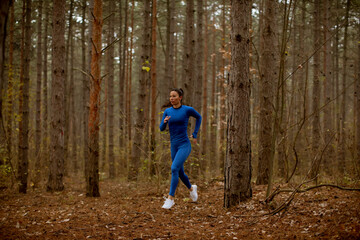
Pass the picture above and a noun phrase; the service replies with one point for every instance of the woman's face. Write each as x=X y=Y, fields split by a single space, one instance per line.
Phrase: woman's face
x=175 y=99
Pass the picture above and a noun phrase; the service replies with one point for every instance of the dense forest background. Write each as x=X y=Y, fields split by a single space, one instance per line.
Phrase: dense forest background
x=304 y=83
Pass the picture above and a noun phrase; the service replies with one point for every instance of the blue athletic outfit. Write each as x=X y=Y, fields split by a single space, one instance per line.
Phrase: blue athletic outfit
x=180 y=143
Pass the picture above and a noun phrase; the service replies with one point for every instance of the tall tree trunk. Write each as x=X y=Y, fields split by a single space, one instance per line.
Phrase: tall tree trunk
x=104 y=107
x=122 y=83
x=110 y=64
x=67 y=90
x=281 y=111
x=214 y=161
x=268 y=72
x=24 y=141
x=204 y=134
x=4 y=11
x=357 y=96
x=222 y=81
x=84 y=81
x=10 y=89
x=21 y=85
x=38 y=97
x=343 y=123
x=142 y=95
x=129 y=79
x=55 y=181
x=198 y=81
x=337 y=84
x=238 y=149
x=86 y=90
x=92 y=180
x=153 y=89
x=45 y=100
x=72 y=119
x=316 y=93
x=328 y=89
x=190 y=54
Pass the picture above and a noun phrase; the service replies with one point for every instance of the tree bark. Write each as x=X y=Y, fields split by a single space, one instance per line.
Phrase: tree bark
x=238 y=150
x=214 y=161
x=190 y=54
x=24 y=141
x=86 y=91
x=222 y=119
x=357 y=97
x=4 y=11
x=67 y=89
x=343 y=123
x=142 y=95
x=204 y=126
x=57 y=155
x=10 y=88
x=268 y=74
x=110 y=64
x=45 y=100
x=153 y=89
x=38 y=97
x=92 y=180
x=316 y=92
x=328 y=89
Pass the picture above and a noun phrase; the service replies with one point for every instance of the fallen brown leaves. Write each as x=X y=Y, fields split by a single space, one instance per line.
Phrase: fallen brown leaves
x=127 y=211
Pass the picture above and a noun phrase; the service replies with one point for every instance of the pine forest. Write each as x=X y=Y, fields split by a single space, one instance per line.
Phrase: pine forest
x=88 y=148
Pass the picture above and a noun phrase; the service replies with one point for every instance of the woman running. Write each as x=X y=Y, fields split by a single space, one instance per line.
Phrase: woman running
x=177 y=117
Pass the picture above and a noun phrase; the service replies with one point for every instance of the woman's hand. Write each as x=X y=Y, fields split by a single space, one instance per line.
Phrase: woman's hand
x=167 y=119
x=193 y=139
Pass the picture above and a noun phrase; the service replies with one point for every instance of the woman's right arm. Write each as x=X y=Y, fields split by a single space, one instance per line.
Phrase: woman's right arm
x=162 y=123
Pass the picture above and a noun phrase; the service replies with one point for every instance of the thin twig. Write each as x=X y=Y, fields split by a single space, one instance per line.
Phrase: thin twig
x=110 y=45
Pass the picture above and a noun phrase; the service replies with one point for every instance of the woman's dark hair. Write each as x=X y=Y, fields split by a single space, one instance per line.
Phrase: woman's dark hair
x=179 y=91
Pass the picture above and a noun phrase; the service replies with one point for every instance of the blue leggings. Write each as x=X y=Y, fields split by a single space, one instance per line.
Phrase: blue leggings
x=179 y=154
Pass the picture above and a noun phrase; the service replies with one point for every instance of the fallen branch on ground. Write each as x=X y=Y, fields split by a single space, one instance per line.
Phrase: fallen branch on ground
x=277 y=191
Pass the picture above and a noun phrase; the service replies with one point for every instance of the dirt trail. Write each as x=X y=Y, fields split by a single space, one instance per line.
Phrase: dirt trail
x=127 y=211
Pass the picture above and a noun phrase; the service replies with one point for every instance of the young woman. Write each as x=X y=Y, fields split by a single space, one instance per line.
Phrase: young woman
x=177 y=117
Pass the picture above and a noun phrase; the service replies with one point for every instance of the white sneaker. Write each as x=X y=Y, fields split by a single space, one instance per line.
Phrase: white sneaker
x=168 y=203
x=193 y=193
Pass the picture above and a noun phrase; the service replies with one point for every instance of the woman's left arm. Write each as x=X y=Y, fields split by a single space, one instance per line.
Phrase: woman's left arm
x=196 y=115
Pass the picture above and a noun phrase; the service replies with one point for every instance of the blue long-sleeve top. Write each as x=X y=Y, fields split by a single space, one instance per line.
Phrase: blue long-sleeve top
x=178 y=122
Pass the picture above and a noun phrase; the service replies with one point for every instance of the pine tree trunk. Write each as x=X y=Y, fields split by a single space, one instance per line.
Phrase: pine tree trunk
x=122 y=83
x=10 y=89
x=343 y=123
x=45 y=100
x=110 y=64
x=357 y=97
x=38 y=97
x=57 y=155
x=214 y=161
x=4 y=11
x=190 y=55
x=153 y=165
x=142 y=95
x=67 y=91
x=104 y=108
x=86 y=89
x=268 y=73
x=238 y=150
x=129 y=91
x=24 y=140
x=204 y=135
x=222 y=81
x=328 y=89
x=316 y=93
x=92 y=180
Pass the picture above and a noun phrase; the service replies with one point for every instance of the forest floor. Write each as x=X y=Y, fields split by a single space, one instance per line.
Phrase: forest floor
x=133 y=211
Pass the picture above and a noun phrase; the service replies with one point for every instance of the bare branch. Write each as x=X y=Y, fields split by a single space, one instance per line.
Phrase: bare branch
x=110 y=45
